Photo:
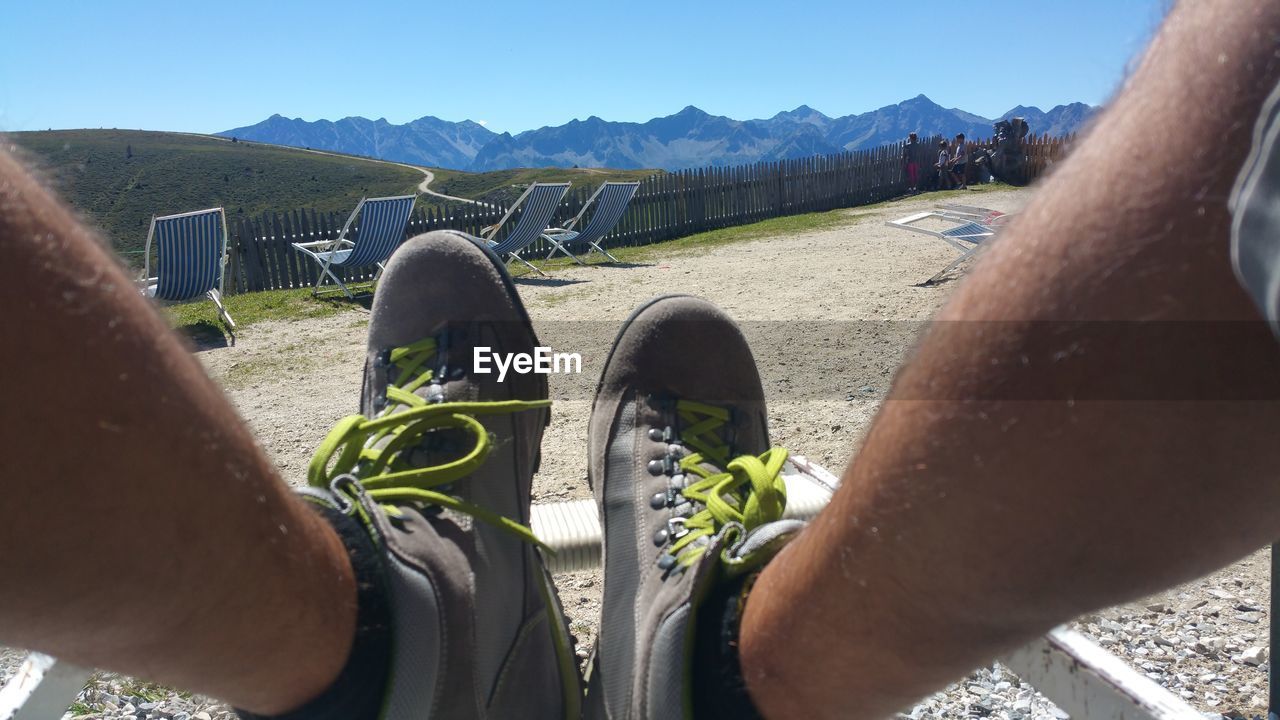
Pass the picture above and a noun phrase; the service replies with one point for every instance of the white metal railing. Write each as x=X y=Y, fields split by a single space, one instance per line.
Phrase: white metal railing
x=1077 y=675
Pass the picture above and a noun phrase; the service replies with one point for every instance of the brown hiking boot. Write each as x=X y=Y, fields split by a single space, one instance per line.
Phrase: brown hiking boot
x=690 y=496
x=439 y=467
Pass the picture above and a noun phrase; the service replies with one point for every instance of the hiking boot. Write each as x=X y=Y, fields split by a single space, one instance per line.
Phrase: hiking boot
x=690 y=495
x=439 y=468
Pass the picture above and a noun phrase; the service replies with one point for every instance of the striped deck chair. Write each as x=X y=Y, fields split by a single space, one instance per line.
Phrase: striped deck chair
x=379 y=232
x=610 y=200
x=191 y=254
x=965 y=234
x=538 y=204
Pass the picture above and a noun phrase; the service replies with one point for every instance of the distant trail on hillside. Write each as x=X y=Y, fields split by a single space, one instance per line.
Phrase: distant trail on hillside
x=424 y=187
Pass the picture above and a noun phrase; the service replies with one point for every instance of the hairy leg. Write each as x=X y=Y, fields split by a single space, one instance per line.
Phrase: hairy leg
x=1086 y=424
x=144 y=531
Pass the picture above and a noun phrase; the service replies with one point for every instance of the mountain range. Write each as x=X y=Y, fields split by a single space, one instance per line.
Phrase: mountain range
x=689 y=138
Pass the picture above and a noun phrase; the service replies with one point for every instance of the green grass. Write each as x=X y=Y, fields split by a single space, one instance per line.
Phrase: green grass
x=483 y=185
x=119 y=178
x=200 y=320
x=773 y=227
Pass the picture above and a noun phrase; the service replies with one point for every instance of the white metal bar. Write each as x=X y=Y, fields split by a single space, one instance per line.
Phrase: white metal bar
x=1089 y=682
x=43 y=689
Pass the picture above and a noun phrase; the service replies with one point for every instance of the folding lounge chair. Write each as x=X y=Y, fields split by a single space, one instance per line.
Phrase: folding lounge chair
x=539 y=203
x=379 y=233
x=611 y=200
x=966 y=235
x=191 y=255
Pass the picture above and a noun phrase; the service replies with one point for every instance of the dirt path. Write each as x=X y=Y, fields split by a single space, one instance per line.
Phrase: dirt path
x=424 y=187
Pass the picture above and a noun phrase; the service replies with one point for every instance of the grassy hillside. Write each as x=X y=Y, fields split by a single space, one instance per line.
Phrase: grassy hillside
x=495 y=186
x=119 y=178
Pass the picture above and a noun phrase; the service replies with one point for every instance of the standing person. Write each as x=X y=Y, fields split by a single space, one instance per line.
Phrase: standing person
x=960 y=163
x=944 y=159
x=910 y=153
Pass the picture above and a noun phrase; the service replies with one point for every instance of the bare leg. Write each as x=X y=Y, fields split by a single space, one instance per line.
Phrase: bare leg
x=1007 y=485
x=144 y=531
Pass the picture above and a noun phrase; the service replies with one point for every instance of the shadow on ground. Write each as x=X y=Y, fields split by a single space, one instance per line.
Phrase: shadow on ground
x=363 y=300
x=204 y=335
x=546 y=281
x=621 y=264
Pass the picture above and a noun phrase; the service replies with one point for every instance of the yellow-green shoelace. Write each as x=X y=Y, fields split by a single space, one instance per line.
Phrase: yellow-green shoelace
x=385 y=472
x=749 y=490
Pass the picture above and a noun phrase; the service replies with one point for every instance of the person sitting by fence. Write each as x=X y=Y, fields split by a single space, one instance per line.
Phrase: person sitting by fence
x=1030 y=463
x=910 y=150
x=960 y=163
x=943 y=166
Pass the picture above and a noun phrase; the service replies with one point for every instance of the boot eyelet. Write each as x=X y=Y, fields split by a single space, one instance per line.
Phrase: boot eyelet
x=656 y=467
x=660 y=537
x=658 y=501
x=435 y=393
x=655 y=434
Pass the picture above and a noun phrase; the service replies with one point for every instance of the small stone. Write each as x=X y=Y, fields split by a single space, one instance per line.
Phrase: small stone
x=202 y=715
x=1245 y=607
x=581 y=653
x=1254 y=656
x=1250 y=617
x=182 y=716
x=1220 y=594
x=1157 y=607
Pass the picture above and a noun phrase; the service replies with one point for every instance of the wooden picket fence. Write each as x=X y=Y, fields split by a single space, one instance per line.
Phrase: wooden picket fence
x=667 y=206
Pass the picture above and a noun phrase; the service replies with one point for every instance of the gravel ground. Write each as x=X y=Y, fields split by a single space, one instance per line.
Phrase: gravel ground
x=830 y=315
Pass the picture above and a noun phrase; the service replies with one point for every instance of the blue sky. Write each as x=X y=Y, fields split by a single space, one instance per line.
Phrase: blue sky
x=206 y=67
